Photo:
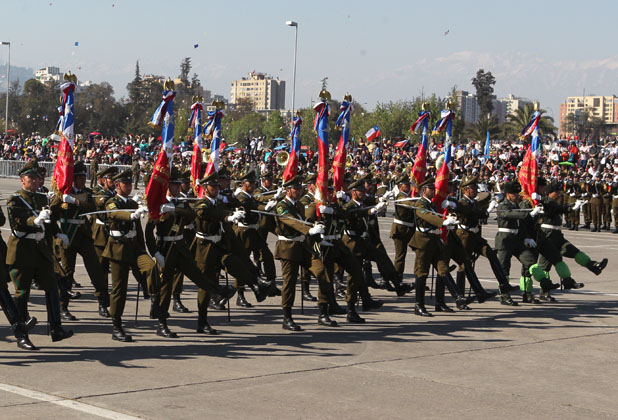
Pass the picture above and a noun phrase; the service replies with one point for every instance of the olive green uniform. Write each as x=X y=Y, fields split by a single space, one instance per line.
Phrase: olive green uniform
x=402 y=231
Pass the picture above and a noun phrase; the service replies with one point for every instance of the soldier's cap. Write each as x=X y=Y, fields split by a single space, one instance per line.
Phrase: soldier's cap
x=30 y=168
x=175 y=176
x=248 y=176
x=297 y=181
x=124 y=176
x=186 y=176
x=403 y=179
x=428 y=183
x=224 y=173
x=266 y=173
x=470 y=182
x=554 y=187
x=79 y=168
x=311 y=178
x=512 y=187
x=368 y=178
x=108 y=172
x=358 y=185
x=212 y=179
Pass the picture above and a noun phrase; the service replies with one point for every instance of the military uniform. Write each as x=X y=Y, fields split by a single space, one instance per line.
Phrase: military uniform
x=614 y=192
x=94 y=169
x=135 y=168
x=607 y=205
x=402 y=229
x=595 y=189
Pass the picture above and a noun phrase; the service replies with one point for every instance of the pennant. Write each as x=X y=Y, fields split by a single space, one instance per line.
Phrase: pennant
x=420 y=163
x=195 y=122
x=343 y=123
x=291 y=170
x=320 y=127
x=213 y=131
x=62 y=178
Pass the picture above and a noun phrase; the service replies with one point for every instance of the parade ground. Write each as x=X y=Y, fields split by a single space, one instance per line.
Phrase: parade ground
x=552 y=360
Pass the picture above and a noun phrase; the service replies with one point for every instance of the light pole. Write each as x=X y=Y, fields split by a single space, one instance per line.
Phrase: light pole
x=295 y=25
x=8 y=76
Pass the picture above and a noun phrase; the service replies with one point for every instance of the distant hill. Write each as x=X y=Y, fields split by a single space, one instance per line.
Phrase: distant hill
x=21 y=73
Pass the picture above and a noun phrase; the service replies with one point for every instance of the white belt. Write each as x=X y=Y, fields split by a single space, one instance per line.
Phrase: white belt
x=595 y=195
x=253 y=226
x=190 y=226
x=546 y=226
x=294 y=239
x=326 y=244
x=73 y=221
x=572 y=194
x=429 y=230
x=331 y=237
x=37 y=236
x=507 y=230
x=99 y=222
x=171 y=238
x=469 y=229
x=118 y=234
x=616 y=197
x=211 y=238
x=354 y=233
x=401 y=222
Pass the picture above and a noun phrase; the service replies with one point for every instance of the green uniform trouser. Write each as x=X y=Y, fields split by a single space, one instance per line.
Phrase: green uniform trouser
x=103 y=262
x=515 y=247
x=98 y=277
x=38 y=267
x=401 y=251
x=607 y=211
x=345 y=260
x=586 y=211
x=615 y=211
x=596 y=208
x=379 y=255
x=136 y=176
x=120 y=279
x=289 y=272
x=556 y=246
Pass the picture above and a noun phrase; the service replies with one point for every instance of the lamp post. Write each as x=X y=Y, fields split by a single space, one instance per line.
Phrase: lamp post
x=8 y=76
x=295 y=25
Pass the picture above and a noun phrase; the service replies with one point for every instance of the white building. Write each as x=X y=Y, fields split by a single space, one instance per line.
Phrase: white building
x=48 y=75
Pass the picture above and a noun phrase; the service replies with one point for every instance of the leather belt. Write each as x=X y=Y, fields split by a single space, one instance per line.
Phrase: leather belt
x=401 y=222
x=470 y=229
x=294 y=239
x=118 y=234
x=73 y=221
x=429 y=230
x=171 y=238
x=211 y=238
x=546 y=226
x=37 y=236
x=507 y=230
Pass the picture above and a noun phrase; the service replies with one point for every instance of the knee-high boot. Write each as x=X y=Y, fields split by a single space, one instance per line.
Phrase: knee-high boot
x=52 y=302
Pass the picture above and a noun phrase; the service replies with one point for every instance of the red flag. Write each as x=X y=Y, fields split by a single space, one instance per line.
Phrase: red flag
x=63 y=171
x=339 y=165
x=419 y=169
x=196 y=165
x=528 y=174
x=156 y=190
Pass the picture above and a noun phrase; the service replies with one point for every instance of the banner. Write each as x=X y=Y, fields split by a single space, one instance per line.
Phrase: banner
x=292 y=167
x=343 y=123
x=320 y=126
x=195 y=122
x=62 y=178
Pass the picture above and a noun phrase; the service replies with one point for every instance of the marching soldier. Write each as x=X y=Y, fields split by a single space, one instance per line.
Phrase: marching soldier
x=135 y=168
x=403 y=224
x=94 y=169
x=28 y=255
x=614 y=192
x=595 y=189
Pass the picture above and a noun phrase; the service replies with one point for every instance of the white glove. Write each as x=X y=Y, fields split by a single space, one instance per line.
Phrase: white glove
x=530 y=243
x=51 y=195
x=69 y=199
x=325 y=209
x=280 y=193
x=450 y=222
x=271 y=204
x=449 y=204
x=380 y=205
x=236 y=216
x=388 y=195
x=160 y=259
x=137 y=198
x=536 y=210
x=341 y=195
x=492 y=206
x=168 y=208
x=536 y=196
x=141 y=211
x=317 y=229
x=64 y=239
x=578 y=205
x=43 y=217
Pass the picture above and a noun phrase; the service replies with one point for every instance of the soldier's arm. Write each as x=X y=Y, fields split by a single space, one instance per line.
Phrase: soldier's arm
x=186 y=212
x=513 y=214
x=210 y=213
x=151 y=242
x=430 y=218
x=121 y=216
x=286 y=219
x=19 y=214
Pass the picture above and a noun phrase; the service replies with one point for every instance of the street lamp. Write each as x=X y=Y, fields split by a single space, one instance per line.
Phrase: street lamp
x=8 y=76
x=295 y=25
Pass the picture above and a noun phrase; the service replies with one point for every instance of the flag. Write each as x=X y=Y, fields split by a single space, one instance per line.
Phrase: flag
x=532 y=125
x=63 y=171
x=401 y=143
x=528 y=172
x=292 y=168
x=213 y=130
x=320 y=126
x=420 y=163
x=443 y=173
x=486 y=150
x=222 y=146
x=195 y=122
x=196 y=45
x=445 y=121
x=373 y=133
x=77 y=44
x=343 y=123
x=156 y=190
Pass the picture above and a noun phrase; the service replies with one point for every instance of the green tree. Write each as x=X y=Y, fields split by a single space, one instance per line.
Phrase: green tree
x=242 y=129
x=484 y=84
x=96 y=109
x=38 y=108
x=516 y=122
x=274 y=126
x=478 y=130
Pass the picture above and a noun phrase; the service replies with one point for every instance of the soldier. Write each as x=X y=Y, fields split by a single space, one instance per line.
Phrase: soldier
x=126 y=250
x=28 y=255
x=94 y=169
x=71 y=207
x=595 y=189
x=586 y=196
x=614 y=191
x=135 y=168
x=403 y=227
x=607 y=204
x=215 y=248
x=173 y=255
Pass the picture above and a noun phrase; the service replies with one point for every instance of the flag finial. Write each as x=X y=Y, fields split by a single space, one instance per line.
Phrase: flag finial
x=426 y=106
x=69 y=77
x=168 y=85
x=347 y=97
x=324 y=95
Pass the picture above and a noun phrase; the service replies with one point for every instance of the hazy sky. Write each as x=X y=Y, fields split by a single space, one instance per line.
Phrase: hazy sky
x=376 y=51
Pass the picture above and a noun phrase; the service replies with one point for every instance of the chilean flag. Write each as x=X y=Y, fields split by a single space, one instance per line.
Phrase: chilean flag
x=156 y=190
x=195 y=122
x=532 y=125
x=528 y=173
x=292 y=168
x=63 y=171
x=443 y=173
x=373 y=133
x=401 y=143
x=320 y=126
x=213 y=130
x=343 y=123
x=420 y=163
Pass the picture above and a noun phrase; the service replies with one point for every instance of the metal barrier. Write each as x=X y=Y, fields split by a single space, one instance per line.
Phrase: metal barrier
x=10 y=168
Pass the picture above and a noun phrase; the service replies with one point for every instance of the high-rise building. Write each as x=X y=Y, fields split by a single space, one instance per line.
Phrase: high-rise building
x=470 y=110
x=48 y=74
x=265 y=92
x=512 y=103
x=603 y=107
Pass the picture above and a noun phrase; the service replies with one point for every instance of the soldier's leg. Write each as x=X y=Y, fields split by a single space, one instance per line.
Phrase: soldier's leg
x=421 y=270
x=149 y=272
x=118 y=296
x=64 y=263
x=10 y=311
x=245 y=275
x=319 y=270
x=305 y=280
x=98 y=277
x=401 y=250
x=569 y=250
x=615 y=212
x=177 y=286
x=503 y=281
x=289 y=271
x=387 y=269
x=22 y=279
x=587 y=215
x=46 y=277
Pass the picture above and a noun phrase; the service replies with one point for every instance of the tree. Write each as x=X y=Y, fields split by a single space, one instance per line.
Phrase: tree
x=274 y=126
x=484 y=84
x=521 y=117
x=96 y=109
x=38 y=108
x=243 y=107
x=478 y=131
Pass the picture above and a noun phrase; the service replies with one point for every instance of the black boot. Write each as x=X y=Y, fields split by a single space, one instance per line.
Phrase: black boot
x=547 y=285
x=527 y=297
x=104 y=304
x=164 y=331
x=546 y=297
x=333 y=306
x=369 y=280
x=586 y=225
x=506 y=299
x=597 y=267
x=498 y=271
x=481 y=294
x=261 y=289
x=400 y=288
x=118 y=333
x=369 y=303
x=221 y=294
x=288 y=322
x=155 y=308
x=19 y=328
x=144 y=286
x=21 y=304
x=53 y=315
x=570 y=283
x=273 y=290
x=419 y=306
x=178 y=306
x=353 y=317
x=203 y=326
x=456 y=292
x=241 y=300
x=461 y=281
x=307 y=294
x=340 y=287
x=65 y=314
x=324 y=319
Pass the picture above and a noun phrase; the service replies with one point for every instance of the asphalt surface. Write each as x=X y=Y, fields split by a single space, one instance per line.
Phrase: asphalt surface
x=554 y=360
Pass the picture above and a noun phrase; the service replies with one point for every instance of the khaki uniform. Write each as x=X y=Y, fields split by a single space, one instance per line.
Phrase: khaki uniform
x=607 y=205
x=402 y=231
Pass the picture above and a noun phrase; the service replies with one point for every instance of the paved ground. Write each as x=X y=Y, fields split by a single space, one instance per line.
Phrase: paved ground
x=544 y=361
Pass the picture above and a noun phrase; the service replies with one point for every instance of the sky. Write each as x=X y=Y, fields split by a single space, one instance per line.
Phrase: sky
x=376 y=51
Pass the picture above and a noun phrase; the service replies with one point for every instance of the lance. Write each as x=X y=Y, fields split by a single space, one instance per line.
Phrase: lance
x=282 y=216
x=107 y=211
